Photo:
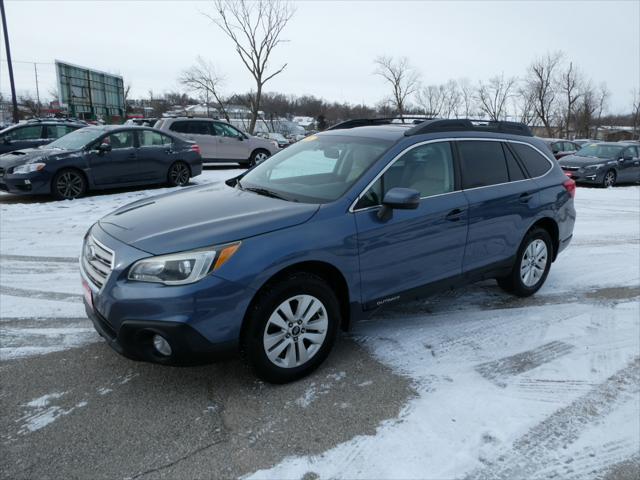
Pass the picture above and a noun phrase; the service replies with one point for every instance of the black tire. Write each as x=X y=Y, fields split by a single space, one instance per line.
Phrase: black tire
x=258 y=324
x=514 y=283
x=68 y=184
x=609 y=179
x=178 y=175
x=257 y=156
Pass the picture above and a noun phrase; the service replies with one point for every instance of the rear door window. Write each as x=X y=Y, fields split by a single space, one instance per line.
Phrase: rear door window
x=149 y=138
x=482 y=164
x=180 y=127
x=31 y=132
x=57 y=131
x=535 y=163
x=514 y=168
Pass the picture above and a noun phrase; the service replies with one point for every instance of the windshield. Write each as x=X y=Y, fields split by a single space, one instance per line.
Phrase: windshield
x=76 y=140
x=600 y=151
x=318 y=169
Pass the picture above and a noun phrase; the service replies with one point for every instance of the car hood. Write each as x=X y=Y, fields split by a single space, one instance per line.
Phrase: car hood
x=575 y=161
x=201 y=216
x=30 y=155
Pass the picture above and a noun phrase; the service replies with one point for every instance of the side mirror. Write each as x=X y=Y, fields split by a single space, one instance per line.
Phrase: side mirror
x=400 y=199
x=627 y=156
x=104 y=147
x=240 y=138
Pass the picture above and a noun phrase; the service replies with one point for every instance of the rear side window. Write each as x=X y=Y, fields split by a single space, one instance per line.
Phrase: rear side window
x=57 y=131
x=149 y=138
x=482 y=164
x=515 y=171
x=31 y=132
x=536 y=164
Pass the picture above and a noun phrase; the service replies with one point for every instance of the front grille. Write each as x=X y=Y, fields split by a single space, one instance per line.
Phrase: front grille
x=97 y=261
x=1 y=172
x=571 y=169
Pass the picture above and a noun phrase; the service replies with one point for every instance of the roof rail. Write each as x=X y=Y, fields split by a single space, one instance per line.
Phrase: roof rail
x=367 y=122
x=465 y=124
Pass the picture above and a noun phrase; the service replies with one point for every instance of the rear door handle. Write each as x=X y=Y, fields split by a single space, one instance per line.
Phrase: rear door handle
x=454 y=215
x=525 y=197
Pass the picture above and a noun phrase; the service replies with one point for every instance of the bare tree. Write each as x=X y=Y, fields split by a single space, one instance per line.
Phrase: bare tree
x=635 y=113
x=467 y=92
x=452 y=99
x=570 y=86
x=524 y=105
x=541 y=81
x=591 y=107
x=255 y=28
x=402 y=78
x=203 y=79
x=493 y=96
x=431 y=100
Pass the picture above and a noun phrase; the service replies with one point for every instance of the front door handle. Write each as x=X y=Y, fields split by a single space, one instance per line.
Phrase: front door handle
x=454 y=215
x=132 y=156
x=525 y=197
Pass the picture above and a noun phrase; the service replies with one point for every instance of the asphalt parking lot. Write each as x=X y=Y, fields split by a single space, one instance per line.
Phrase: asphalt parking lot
x=469 y=384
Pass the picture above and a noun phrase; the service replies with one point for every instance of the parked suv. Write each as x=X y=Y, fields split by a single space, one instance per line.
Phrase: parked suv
x=275 y=261
x=34 y=133
x=220 y=141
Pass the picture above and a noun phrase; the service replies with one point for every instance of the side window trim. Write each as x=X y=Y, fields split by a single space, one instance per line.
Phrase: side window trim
x=522 y=166
x=380 y=175
x=456 y=166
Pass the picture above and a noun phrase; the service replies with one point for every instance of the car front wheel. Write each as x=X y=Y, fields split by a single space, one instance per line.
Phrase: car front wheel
x=609 y=179
x=68 y=184
x=532 y=264
x=291 y=328
x=258 y=156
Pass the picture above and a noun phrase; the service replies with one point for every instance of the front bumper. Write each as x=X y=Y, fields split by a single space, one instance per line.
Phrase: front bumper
x=585 y=176
x=201 y=321
x=34 y=183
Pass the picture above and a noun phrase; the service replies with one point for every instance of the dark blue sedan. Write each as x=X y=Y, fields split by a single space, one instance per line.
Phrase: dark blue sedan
x=95 y=158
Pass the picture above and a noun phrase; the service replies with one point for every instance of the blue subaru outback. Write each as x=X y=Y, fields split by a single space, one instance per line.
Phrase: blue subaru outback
x=371 y=213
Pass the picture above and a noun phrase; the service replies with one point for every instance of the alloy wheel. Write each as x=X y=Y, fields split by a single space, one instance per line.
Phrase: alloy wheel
x=609 y=179
x=295 y=331
x=69 y=185
x=534 y=263
x=179 y=174
x=260 y=157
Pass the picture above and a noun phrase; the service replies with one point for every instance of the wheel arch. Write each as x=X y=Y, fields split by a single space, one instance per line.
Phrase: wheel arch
x=551 y=226
x=328 y=272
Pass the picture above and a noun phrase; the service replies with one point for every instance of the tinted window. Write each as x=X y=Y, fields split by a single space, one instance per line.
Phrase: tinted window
x=31 y=132
x=515 y=171
x=427 y=169
x=150 y=139
x=57 y=131
x=180 y=127
x=631 y=151
x=482 y=164
x=600 y=151
x=570 y=147
x=120 y=140
x=533 y=161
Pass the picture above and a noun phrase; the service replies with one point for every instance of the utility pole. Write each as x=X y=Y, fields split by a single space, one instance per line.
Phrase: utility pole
x=35 y=68
x=9 y=64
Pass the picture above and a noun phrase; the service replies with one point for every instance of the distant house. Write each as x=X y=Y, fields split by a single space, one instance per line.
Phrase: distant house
x=616 y=134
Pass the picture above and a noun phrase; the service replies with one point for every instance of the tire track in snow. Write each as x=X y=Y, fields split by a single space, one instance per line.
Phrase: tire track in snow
x=538 y=448
x=42 y=295
x=28 y=258
x=498 y=371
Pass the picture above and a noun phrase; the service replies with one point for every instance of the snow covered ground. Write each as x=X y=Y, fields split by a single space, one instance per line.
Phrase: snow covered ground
x=508 y=388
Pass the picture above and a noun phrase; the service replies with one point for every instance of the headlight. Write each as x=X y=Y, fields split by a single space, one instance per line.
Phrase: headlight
x=275 y=144
x=182 y=268
x=29 y=167
x=594 y=167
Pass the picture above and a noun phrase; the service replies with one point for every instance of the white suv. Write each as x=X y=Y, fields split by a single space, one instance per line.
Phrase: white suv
x=220 y=141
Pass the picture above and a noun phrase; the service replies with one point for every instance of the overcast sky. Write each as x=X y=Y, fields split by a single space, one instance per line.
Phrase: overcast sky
x=331 y=45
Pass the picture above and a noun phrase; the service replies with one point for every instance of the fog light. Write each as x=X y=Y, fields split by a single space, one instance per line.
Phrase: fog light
x=161 y=345
x=27 y=182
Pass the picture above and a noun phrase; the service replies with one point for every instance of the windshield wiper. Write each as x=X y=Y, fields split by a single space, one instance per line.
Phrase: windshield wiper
x=265 y=192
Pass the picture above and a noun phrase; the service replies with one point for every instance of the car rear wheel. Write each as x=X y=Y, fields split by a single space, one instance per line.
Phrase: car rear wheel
x=258 y=156
x=291 y=328
x=68 y=184
x=609 y=179
x=178 y=175
x=532 y=264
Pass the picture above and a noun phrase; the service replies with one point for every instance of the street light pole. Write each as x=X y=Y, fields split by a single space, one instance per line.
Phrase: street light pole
x=9 y=64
